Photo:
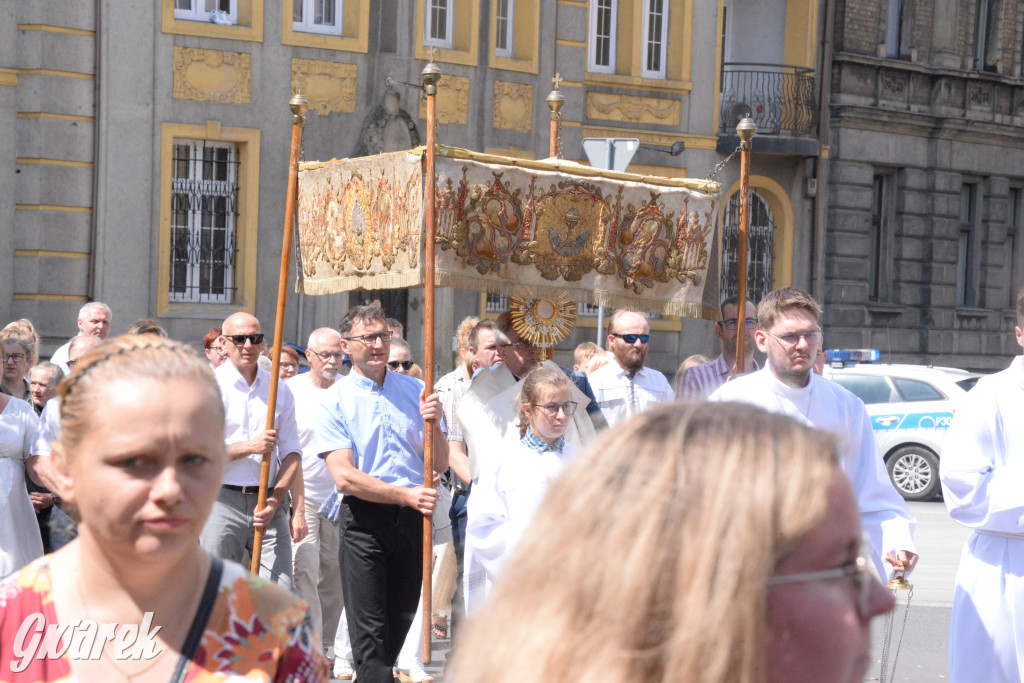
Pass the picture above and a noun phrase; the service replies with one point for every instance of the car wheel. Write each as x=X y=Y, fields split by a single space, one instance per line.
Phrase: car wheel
x=914 y=471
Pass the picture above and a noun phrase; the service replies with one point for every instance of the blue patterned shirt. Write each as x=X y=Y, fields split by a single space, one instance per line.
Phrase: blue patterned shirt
x=534 y=443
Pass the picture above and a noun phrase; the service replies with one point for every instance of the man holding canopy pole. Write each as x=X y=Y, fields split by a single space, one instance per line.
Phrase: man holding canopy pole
x=370 y=430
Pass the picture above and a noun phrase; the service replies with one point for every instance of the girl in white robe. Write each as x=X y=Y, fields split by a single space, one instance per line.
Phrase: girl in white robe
x=504 y=499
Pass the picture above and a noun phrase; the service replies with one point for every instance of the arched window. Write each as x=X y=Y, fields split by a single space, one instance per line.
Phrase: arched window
x=760 y=247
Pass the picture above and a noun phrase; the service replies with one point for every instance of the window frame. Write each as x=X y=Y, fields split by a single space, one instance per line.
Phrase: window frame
x=509 y=32
x=247 y=141
x=894 y=28
x=307 y=25
x=661 y=73
x=883 y=220
x=210 y=188
x=194 y=14
x=592 y=37
x=967 y=267
x=447 y=43
x=1014 y=221
x=986 y=41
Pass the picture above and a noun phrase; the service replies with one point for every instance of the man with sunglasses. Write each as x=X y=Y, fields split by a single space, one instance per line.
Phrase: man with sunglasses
x=370 y=431
x=698 y=383
x=245 y=391
x=627 y=387
x=788 y=332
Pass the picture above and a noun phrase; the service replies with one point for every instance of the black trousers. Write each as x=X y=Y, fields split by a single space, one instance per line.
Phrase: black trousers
x=381 y=556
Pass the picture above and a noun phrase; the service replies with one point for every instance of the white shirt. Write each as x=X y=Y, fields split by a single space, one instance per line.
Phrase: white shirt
x=60 y=356
x=501 y=506
x=831 y=408
x=622 y=396
x=49 y=428
x=982 y=467
x=315 y=476
x=245 y=415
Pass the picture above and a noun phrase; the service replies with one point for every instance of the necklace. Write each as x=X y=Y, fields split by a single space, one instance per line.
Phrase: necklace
x=103 y=652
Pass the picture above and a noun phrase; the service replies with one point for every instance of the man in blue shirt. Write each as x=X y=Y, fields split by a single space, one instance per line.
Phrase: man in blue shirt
x=370 y=430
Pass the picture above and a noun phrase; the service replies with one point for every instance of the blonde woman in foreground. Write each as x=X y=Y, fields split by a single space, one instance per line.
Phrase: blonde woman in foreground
x=142 y=455
x=705 y=542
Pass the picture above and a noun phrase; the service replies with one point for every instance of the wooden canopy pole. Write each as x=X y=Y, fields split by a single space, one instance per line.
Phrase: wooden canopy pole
x=299 y=104
x=555 y=101
x=746 y=130
x=429 y=78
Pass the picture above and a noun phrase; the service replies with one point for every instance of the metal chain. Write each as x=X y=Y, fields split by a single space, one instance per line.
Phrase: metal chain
x=721 y=164
x=558 y=151
x=302 y=140
x=887 y=639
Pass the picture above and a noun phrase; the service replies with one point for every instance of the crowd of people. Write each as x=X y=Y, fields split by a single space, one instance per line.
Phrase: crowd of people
x=599 y=519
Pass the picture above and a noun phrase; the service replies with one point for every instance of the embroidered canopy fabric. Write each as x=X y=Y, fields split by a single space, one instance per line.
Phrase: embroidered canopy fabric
x=509 y=226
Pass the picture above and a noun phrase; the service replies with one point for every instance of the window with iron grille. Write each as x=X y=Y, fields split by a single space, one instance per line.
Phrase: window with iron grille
x=204 y=209
x=602 y=35
x=199 y=10
x=437 y=24
x=655 y=30
x=317 y=16
x=503 y=16
x=760 y=248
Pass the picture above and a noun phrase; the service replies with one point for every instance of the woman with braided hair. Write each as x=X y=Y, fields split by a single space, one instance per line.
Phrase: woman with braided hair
x=141 y=454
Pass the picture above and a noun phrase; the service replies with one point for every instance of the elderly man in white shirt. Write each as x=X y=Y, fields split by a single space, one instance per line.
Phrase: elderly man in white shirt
x=627 y=387
x=93 y=321
x=245 y=390
x=315 y=557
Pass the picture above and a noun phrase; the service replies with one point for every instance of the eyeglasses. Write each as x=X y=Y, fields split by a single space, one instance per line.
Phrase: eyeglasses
x=16 y=357
x=857 y=570
x=551 y=409
x=520 y=343
x=239 y=339
x=329 y=355
x=218 y=349
x=404 y=364
x=290 y=366
x=631 y=338
x=371 y=339
x=793 y=338
x=732 y=323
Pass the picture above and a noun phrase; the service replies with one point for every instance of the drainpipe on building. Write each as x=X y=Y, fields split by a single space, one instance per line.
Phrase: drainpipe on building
x=93 y=223
x=821 y=163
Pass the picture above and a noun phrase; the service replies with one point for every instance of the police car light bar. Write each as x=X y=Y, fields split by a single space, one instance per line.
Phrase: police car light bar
x=852 y=355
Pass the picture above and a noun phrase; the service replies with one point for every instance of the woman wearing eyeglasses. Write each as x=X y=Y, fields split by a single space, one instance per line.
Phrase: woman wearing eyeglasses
x=696 y=542
x=504 y=501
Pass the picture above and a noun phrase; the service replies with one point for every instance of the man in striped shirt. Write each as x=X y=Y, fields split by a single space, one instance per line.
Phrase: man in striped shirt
x=697 y=383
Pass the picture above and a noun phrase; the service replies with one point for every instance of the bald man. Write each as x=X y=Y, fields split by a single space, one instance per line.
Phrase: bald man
x=245 y=390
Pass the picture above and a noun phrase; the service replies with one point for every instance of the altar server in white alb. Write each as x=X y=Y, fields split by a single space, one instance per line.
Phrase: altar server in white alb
x=626 y=387
x=788 y=333
x=982 y=471
x=506 y=497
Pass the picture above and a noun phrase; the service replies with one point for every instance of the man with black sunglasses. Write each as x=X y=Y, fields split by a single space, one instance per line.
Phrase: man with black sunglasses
x=697 y=383
x=245 y=391
x=789 y=332
x=627 y=387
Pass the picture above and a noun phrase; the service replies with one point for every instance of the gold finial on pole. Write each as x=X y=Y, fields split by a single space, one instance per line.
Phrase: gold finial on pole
x=555 y=101
x=745 y=130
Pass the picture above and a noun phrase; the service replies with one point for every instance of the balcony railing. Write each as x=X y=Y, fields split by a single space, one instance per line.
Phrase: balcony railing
x=780 y=99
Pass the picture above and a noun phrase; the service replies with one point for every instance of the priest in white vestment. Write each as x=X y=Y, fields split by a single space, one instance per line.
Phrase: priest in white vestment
x=788 y=333
x=982 y=472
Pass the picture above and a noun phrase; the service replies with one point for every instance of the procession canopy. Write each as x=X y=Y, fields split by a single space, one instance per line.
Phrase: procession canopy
x=553 y=228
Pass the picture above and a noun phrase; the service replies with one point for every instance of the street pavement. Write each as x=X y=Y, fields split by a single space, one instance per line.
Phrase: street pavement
x=924 y=647
x=924 y=652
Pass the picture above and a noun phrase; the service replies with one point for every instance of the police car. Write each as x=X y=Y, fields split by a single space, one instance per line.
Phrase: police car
x=910 y=406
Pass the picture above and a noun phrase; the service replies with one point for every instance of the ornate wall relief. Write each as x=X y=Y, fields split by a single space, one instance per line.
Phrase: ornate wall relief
x=212 y=75
x=452 y=100
x=634 y=109
x=513 y=106
x=329 y=86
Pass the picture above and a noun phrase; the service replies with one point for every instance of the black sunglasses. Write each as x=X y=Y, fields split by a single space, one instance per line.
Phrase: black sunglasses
x=406 y=364
x=631 y=338
x=239 y=339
